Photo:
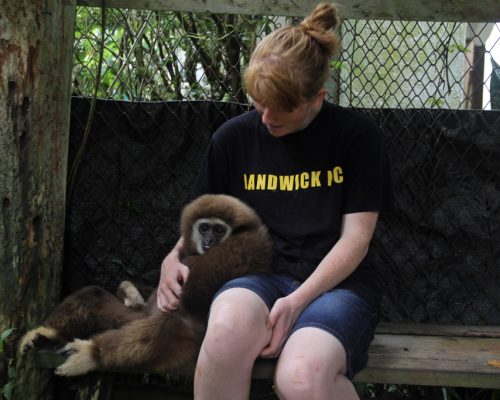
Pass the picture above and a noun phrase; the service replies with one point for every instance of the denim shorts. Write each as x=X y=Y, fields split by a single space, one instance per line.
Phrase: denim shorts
x=339 y=311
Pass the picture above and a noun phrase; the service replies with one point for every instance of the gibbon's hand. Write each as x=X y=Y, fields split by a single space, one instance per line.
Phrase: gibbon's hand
x=172 y=277
x=280 y=320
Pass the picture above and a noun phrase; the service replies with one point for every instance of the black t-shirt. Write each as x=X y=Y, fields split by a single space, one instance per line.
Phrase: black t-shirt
x=302 y=183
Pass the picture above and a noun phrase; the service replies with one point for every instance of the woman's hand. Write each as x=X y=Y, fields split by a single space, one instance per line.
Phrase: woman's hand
x=173 y=275
x=280 y=320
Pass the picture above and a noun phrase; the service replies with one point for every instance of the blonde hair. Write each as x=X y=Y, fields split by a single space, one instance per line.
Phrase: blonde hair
x=291 y=65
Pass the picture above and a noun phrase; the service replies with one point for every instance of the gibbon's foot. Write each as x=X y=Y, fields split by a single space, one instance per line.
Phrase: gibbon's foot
x=131 y=295
x=80 y=360
x=37 y=338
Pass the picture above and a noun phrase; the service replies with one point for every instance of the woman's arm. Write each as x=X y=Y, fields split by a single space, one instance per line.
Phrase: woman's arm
x=340 y=262
x=173 y=275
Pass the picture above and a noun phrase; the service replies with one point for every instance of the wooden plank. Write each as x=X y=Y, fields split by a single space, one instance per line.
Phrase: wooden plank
x=433 y=360
x=427 y=378
x=396 y=328
x=409 y=359
x=413 y=10
x=431 y=353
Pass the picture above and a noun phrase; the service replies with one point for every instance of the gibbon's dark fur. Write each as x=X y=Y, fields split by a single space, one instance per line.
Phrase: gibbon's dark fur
x=121 y=332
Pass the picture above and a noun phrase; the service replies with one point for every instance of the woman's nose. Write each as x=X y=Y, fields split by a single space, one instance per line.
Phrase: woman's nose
x=267 y=116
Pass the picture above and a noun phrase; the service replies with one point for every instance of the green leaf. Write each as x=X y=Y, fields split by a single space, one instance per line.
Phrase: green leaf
x=459 y=48
x=3 y=337
x=12 y=373
x=7 y=390
x=338 y=65
x=6 y=334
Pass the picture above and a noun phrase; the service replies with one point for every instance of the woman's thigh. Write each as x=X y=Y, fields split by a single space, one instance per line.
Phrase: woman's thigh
x=238 y=308
x=341 y=313
x=346 y=317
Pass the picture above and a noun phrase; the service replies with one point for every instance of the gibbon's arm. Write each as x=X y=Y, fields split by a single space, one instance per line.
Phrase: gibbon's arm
x=173 y=275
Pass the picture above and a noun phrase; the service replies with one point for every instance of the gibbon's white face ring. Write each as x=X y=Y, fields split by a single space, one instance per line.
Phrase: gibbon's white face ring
x=197 y=238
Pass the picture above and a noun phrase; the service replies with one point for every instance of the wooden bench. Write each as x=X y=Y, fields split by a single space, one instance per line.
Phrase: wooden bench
x=414 y=354
x=434 y=355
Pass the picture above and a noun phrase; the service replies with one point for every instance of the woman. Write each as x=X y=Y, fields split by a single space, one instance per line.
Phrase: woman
x=318 y=176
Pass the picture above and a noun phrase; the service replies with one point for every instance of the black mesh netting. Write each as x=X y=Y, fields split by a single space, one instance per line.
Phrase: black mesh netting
x=438 y=251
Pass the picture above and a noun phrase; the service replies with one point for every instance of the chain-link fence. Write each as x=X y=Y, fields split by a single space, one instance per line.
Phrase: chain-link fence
x=161 y=56
x=167 y=80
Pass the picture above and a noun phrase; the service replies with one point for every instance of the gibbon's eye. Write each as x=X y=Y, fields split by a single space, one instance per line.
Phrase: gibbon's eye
x=204 y=227
x=221 y=229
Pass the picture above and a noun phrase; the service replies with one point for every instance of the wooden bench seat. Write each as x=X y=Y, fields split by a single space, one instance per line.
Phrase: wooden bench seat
x=414 y=354
x=429 y=355
x=435 y=356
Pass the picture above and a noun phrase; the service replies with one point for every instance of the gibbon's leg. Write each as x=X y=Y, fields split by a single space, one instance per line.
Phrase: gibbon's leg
x=34 y=337
x=146 y=291
x=153 y=344
x=130 y=295
x=82 y=314
x=133 y=295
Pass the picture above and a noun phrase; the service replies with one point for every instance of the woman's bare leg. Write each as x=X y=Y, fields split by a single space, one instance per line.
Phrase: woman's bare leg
x=236 y=334
x=312 y=366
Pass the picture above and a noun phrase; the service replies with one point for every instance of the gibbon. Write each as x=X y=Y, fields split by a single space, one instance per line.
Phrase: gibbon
x=223 y=239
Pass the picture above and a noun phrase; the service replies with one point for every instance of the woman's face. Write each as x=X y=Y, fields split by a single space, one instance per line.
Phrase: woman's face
x=282 y=123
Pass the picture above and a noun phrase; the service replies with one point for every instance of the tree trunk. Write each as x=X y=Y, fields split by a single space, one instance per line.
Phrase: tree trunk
x=36 y=39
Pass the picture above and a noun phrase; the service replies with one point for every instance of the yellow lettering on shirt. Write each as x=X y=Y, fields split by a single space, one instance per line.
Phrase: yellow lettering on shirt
x=335 y=175
x=301 y=181
x=272 y=182
x=261 y=182
x=286 y=182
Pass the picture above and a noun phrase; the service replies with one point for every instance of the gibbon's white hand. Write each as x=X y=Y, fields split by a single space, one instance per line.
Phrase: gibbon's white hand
x=173 y=275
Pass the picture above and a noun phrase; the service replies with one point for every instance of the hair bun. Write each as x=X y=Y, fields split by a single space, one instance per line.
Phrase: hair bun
x=320 y=25
x=323 y=18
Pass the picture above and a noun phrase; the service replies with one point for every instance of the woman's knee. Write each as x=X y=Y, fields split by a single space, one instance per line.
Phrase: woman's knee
x=237 y=325
x=308 y=366
x=303 y=378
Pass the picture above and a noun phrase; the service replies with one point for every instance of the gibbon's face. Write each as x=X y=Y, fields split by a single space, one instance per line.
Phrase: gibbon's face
x=209 y=232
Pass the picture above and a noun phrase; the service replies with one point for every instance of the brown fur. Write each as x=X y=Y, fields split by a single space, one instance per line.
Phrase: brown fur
x=137 y=336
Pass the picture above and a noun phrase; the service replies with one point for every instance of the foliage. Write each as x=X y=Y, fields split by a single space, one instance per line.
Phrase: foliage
x=153 y=55
x=7 y=388
x=338 y=65
x=459 y=48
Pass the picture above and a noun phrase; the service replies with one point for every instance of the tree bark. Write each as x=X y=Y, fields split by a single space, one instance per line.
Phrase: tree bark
x=36 y=40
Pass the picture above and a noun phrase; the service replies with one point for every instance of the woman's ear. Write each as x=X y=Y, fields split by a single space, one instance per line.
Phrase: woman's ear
x=320 y=96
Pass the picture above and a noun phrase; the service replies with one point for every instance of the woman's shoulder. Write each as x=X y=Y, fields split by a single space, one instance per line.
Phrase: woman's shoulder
x=353 y=126
x=349 y=116
x=237 y=126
